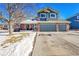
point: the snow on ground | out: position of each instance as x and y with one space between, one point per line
19 48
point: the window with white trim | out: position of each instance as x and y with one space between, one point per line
52 15
42 15
77 17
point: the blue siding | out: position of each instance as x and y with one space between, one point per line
43 19
74 24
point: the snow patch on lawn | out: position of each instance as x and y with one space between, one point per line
21 48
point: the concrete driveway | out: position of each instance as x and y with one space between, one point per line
56 44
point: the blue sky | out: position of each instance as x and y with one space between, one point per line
65 9
3 10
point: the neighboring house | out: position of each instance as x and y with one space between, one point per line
3 26
47 14
74 21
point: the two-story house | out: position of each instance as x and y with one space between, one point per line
47 20
50 16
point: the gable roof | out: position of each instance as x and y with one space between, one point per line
47 10
72 16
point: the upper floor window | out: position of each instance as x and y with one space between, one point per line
52 15
43 15
77 17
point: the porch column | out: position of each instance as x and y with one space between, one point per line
30 26
24 27
67 27
38 26
57 27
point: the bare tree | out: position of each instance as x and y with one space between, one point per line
30 10
11 9
17 13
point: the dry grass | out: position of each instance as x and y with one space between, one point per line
13 39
